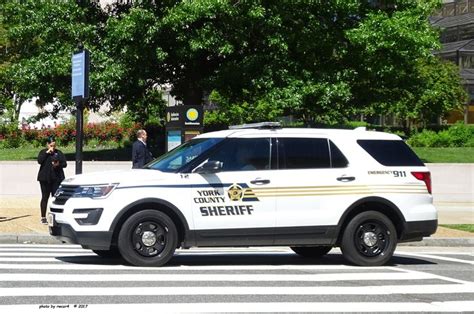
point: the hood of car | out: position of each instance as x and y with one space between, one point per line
123 177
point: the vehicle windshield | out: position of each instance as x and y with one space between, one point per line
183 154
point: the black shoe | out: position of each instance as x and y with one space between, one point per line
44 221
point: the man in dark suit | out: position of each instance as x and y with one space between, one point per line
140 153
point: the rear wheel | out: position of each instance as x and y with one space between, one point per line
311 251
369 239
148 238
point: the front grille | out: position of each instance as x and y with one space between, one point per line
64 193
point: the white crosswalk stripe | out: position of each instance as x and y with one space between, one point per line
64 277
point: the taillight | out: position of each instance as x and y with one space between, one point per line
425 177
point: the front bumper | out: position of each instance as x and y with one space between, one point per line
88 240
416 230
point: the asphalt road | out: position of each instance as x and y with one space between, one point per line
41 278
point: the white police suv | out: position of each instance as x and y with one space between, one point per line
255 185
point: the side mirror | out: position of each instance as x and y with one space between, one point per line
211 166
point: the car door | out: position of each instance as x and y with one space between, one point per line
312 190
225 208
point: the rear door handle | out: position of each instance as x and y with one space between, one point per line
260 181
346 179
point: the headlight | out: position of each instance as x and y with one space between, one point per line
94 191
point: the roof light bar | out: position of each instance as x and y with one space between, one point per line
260 125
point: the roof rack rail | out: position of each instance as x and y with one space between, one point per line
259 125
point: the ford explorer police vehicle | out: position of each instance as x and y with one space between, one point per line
255 185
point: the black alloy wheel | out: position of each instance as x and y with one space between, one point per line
311 251
372 238
148 238
369 239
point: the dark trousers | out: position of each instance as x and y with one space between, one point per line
47 189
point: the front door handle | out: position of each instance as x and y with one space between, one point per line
346 179
259 181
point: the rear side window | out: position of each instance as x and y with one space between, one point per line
338 160
303 153
390 153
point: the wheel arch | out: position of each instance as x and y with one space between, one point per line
374 203
156 204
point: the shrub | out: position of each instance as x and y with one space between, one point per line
426 138
470 143
443 139
460 134
12 136
457 135
65 134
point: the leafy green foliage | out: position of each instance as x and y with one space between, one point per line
320 62
65 134
458 135
41 36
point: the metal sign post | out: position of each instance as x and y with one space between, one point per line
79 93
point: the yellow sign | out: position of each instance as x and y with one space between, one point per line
192 114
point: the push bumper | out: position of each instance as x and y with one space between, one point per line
416 230
88 240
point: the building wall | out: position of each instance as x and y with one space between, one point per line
456 21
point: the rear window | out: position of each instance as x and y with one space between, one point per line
391 153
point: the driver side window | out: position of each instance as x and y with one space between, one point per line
243 154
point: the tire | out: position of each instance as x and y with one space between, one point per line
112 253
369 239
311 251
148 238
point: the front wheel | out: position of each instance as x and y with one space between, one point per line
311 251
148 238
369 239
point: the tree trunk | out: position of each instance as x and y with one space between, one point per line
466 113
17 102
193 97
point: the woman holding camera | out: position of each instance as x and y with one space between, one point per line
50 174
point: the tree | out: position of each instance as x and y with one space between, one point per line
9 106
274 54
41 37
319 61
439 92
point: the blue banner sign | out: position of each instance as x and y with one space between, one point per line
80 75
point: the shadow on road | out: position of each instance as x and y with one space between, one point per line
243 259
5 219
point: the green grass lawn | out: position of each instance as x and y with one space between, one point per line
465 227
445 155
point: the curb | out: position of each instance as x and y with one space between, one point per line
33 238
43 238
442 242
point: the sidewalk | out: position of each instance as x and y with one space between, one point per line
20 223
